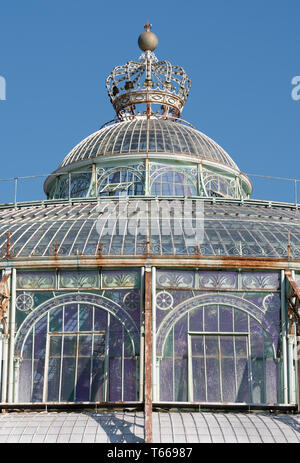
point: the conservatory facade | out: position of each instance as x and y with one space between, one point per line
148 276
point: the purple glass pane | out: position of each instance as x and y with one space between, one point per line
197 346
40 338
242 370
240 321
98 384
258 380
213 379
228 380
53 379
68 378
181 377
271 381
71 317
227 368
128 350
196 320
166 380
38 380
85 318
99 345
199 379
55 322
226 319
115 379
100 323
130 379
39 362
55 346
115 338
180 337
70 346
211 318
83 379
25 376
85 346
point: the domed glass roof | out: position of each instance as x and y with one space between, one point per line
153 135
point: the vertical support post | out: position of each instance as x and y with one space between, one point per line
292 357
12 318
16 380
147 178
5 338
297 360
153 298
148 357
4 368
1 351
142 336
284 337
12 330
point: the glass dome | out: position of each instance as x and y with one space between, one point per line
181 162
142 135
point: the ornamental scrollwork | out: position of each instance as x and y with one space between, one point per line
218 280
24 302
164 300
120 278
75 279
4 302
260 280
132 300
170 278
32 280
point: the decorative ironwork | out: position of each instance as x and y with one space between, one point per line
217 279
132 300
148 81
4 301
175 278
24 302
120 279
79 279
260 280
164 300
35 279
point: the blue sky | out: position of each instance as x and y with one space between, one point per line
241 56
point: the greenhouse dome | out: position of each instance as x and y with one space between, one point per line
149 280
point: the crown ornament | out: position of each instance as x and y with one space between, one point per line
148 82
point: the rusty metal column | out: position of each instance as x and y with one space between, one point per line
12 332
284 337
148 357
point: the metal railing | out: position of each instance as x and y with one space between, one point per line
17 192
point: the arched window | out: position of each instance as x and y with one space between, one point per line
219 353
218 185
78 352
121 181
169 181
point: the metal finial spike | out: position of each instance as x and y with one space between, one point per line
148 26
